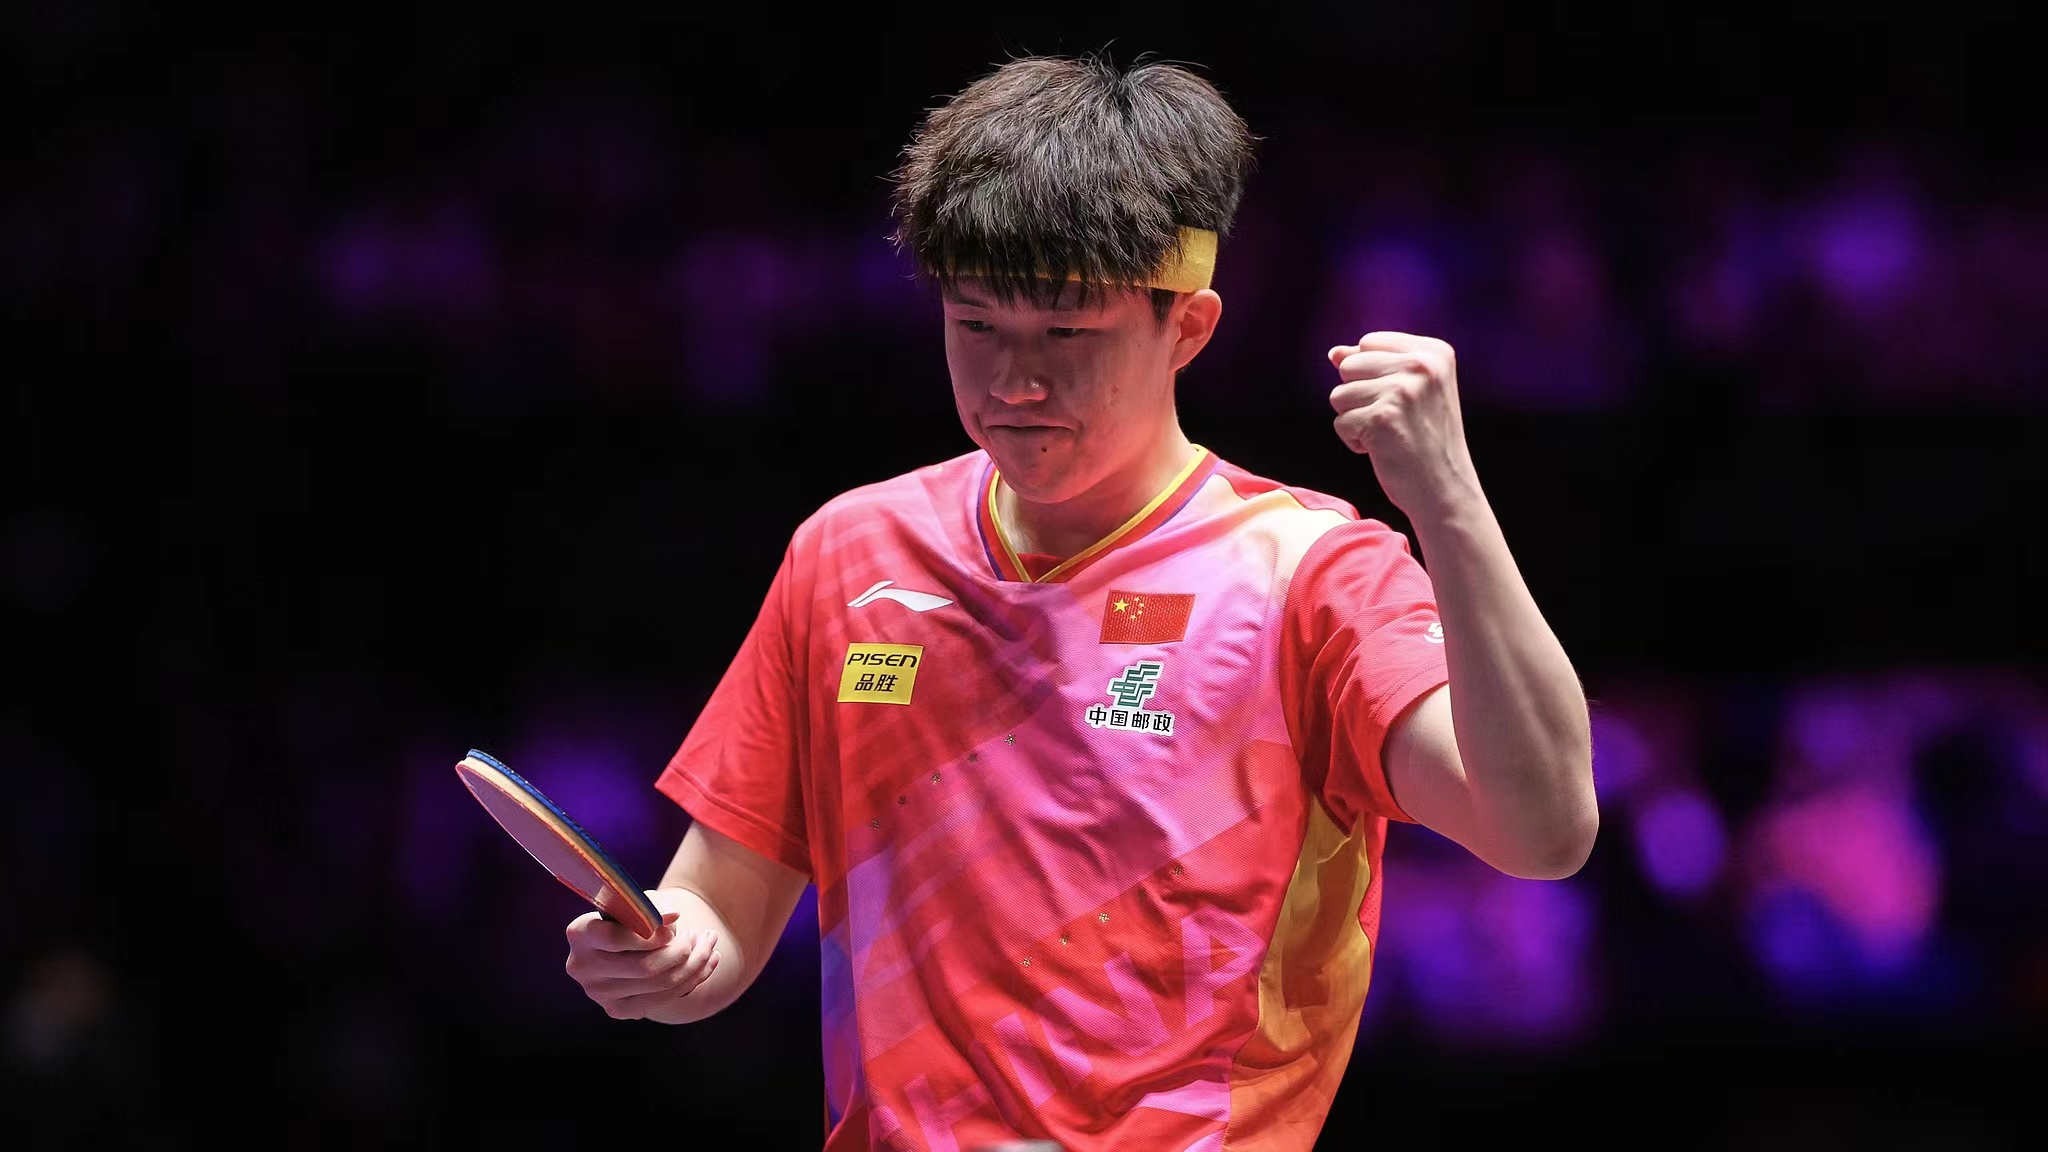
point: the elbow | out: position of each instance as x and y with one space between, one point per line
1557 849
1563 856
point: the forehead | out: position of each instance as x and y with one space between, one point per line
1070 299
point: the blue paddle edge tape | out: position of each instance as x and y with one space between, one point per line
633 890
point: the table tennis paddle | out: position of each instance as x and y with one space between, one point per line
563 848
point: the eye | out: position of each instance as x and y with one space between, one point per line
977 326
1063 333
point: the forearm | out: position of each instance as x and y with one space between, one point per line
1517 705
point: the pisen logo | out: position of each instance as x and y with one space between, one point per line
879 673
1130 690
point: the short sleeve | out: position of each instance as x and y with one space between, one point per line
738 770
1360 644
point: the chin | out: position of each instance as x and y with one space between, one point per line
1039 481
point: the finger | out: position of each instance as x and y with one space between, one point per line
592 931
687 974
693 948
1359 393
1371 365
702 947
1359 428
1396 342
587 964
1338 353
640 1004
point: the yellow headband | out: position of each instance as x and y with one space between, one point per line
1191 272
1197 263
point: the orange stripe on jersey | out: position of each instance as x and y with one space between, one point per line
1157 512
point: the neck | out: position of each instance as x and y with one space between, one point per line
1066 527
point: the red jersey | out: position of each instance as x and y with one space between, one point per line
1096 841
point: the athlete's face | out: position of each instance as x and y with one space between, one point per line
1064 397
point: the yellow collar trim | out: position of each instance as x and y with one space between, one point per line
1003 535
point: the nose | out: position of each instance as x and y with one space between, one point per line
1017 387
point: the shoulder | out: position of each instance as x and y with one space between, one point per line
1282 498
1308 528
921 495
889 522
1322 546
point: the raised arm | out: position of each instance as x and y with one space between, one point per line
1501 759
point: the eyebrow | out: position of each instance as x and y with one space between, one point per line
955 296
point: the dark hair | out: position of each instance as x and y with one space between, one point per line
1056 168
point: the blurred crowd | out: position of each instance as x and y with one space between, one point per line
584 240
1776 847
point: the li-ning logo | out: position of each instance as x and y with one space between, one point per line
1131 688
915 601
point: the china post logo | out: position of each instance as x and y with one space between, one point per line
1130 689
1136 685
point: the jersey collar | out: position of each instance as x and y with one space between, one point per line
1002 556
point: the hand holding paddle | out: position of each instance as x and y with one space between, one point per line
633 978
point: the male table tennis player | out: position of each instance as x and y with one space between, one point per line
1089 738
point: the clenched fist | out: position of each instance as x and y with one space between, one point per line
1398 403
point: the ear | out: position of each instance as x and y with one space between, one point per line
1194 318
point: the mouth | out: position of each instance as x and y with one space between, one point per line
1026 437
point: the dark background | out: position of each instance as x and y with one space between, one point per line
393 381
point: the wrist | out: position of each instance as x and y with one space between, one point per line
1455 509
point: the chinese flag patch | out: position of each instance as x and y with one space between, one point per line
1146 617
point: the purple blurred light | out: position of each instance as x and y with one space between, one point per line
440 828
587 769
1864 859
1680 842
736 293
357 266
1488 960
1393 283
2032 741
1622 760
1797 940
1866 251
1844 733
448 267
887 291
